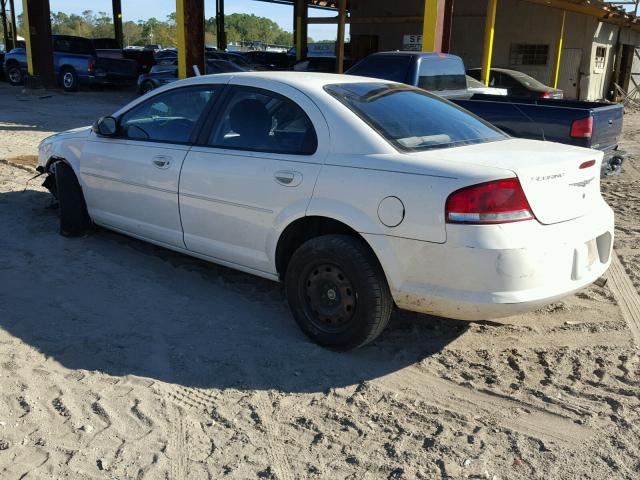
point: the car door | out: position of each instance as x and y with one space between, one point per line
131 181
255 171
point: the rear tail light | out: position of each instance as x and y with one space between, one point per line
587 164
582 128
92 66
500 201
545 95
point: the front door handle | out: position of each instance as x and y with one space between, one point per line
162 161
288 178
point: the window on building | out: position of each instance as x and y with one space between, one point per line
522 54
601 57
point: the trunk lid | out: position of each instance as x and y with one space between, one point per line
556 187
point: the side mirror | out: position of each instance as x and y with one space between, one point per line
106 126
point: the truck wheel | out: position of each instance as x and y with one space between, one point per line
146 87
337 292
74 219
69 79
14 75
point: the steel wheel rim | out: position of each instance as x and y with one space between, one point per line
328 297
14 75
67 80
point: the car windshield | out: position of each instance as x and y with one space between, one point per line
412 119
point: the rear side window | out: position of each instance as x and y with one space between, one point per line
167 117
73 45
264 121
441 73
412 119
388 67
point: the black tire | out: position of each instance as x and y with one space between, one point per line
74 219
14 75
146 87
69 79
337 292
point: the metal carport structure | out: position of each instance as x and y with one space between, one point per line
435 18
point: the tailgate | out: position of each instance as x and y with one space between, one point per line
117 70
607 126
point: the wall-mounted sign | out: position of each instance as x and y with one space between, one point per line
412 43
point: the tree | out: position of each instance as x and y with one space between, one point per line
239 26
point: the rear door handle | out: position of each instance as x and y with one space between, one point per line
288 178
162 161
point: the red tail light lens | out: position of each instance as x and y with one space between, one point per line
500 201
545 95
587 164
582 128
92 65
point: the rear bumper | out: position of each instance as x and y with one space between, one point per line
496 270
612 162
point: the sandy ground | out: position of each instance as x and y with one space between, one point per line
120 360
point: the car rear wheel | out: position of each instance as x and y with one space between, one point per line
74 218
14 75
147 86
69 79
337 292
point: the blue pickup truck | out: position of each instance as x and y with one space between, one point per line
75 63
585 124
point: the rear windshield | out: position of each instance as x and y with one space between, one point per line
441 73
388 67
527 81
412 119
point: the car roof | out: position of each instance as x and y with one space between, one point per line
303 81
500 70
415 54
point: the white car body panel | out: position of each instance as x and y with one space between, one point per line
226 206
124 189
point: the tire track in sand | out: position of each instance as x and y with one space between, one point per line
177 443
626 295
511 413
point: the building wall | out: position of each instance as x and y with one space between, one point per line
517 22
521 22
389 35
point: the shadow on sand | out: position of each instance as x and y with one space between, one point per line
124 307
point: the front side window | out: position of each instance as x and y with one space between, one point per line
412 119
260 120
167 117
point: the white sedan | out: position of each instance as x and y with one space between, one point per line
358 194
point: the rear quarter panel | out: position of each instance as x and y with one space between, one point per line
350 189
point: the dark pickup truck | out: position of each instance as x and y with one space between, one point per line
75 63
110 48
585 124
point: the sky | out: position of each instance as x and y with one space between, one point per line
144 9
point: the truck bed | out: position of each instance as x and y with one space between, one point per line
542 119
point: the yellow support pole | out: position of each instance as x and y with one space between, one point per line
432 26
556 67
489 29
181 40
27 37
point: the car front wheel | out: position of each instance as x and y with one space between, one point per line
74 219
337 292
14 75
